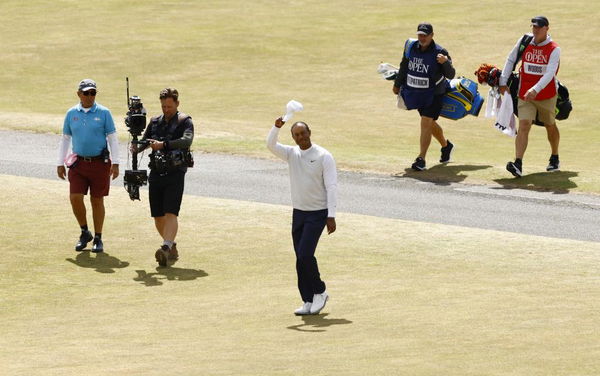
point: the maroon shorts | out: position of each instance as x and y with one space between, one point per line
94 175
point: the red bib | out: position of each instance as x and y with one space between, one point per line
534 65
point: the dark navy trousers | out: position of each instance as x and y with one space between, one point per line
307 227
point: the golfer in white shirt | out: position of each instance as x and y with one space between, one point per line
313 179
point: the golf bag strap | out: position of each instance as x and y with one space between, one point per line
408 45
525 40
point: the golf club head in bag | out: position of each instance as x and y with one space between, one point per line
387 71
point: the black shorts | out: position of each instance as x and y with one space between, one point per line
165 193
434 110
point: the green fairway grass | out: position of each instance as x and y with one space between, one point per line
237 63
407 298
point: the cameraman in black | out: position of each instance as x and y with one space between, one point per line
170 137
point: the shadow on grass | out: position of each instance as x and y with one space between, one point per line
557 182
441 174
317 321
102 263
168 274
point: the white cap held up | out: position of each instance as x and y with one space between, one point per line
292 106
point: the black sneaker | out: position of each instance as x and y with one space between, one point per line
419 164
98 246
162 255
447 152
554 164
84 238
173 253
515 168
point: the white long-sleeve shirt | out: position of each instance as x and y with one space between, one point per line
65 144
313 175
551 69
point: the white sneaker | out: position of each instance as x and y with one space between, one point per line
304 310
318 302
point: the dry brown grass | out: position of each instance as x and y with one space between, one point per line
407 298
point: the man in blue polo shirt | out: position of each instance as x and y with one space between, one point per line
90 128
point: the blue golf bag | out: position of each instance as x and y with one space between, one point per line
461 99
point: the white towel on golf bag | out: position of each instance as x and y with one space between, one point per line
400 103
492 103
505 119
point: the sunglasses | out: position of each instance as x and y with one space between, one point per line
89 92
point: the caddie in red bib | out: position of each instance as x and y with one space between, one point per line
540 59
534 66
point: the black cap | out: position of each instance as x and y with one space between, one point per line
424 28
539 21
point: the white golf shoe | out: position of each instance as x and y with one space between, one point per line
318 303
304 310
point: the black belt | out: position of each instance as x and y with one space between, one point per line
89 159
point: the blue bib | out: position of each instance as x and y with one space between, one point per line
422 68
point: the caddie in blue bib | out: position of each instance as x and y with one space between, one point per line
423 75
